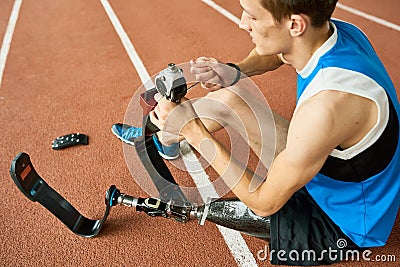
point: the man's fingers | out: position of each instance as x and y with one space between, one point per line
198 63
158 97
214 87
199 69
205 76
153 118
214 81
202 62
202 59
211 86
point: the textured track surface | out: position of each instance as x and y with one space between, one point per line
67 71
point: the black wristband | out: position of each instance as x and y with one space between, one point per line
238 72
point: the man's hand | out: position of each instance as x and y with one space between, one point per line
174 118
212 74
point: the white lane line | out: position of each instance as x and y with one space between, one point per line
130 49
369 17
5 47
222 10
377 20
233 239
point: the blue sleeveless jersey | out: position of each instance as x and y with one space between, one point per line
365 211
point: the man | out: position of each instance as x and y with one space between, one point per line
338 175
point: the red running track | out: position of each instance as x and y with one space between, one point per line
67 71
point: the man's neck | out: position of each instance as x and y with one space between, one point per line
304 46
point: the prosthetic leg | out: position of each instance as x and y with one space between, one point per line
230 213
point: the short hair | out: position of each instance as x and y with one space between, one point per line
319 11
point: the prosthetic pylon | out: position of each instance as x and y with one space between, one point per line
230 213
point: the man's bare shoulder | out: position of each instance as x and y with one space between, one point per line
326 100
322 123
344 116
318 113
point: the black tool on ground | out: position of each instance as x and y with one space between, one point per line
171 203
68 140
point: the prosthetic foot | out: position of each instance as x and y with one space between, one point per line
36 189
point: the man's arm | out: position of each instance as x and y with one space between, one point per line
295 166
319 125
254 64
215 75
311 138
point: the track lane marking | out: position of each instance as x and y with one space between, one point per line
369 17
234 240
354 11
5 47
222 10
130 49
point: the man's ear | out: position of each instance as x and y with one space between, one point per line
298 24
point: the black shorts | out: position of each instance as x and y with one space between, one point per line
302 234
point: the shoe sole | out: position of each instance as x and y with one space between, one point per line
123 140
133 143
168 157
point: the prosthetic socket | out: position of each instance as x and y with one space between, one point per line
230 213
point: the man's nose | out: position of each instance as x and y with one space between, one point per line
244 22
